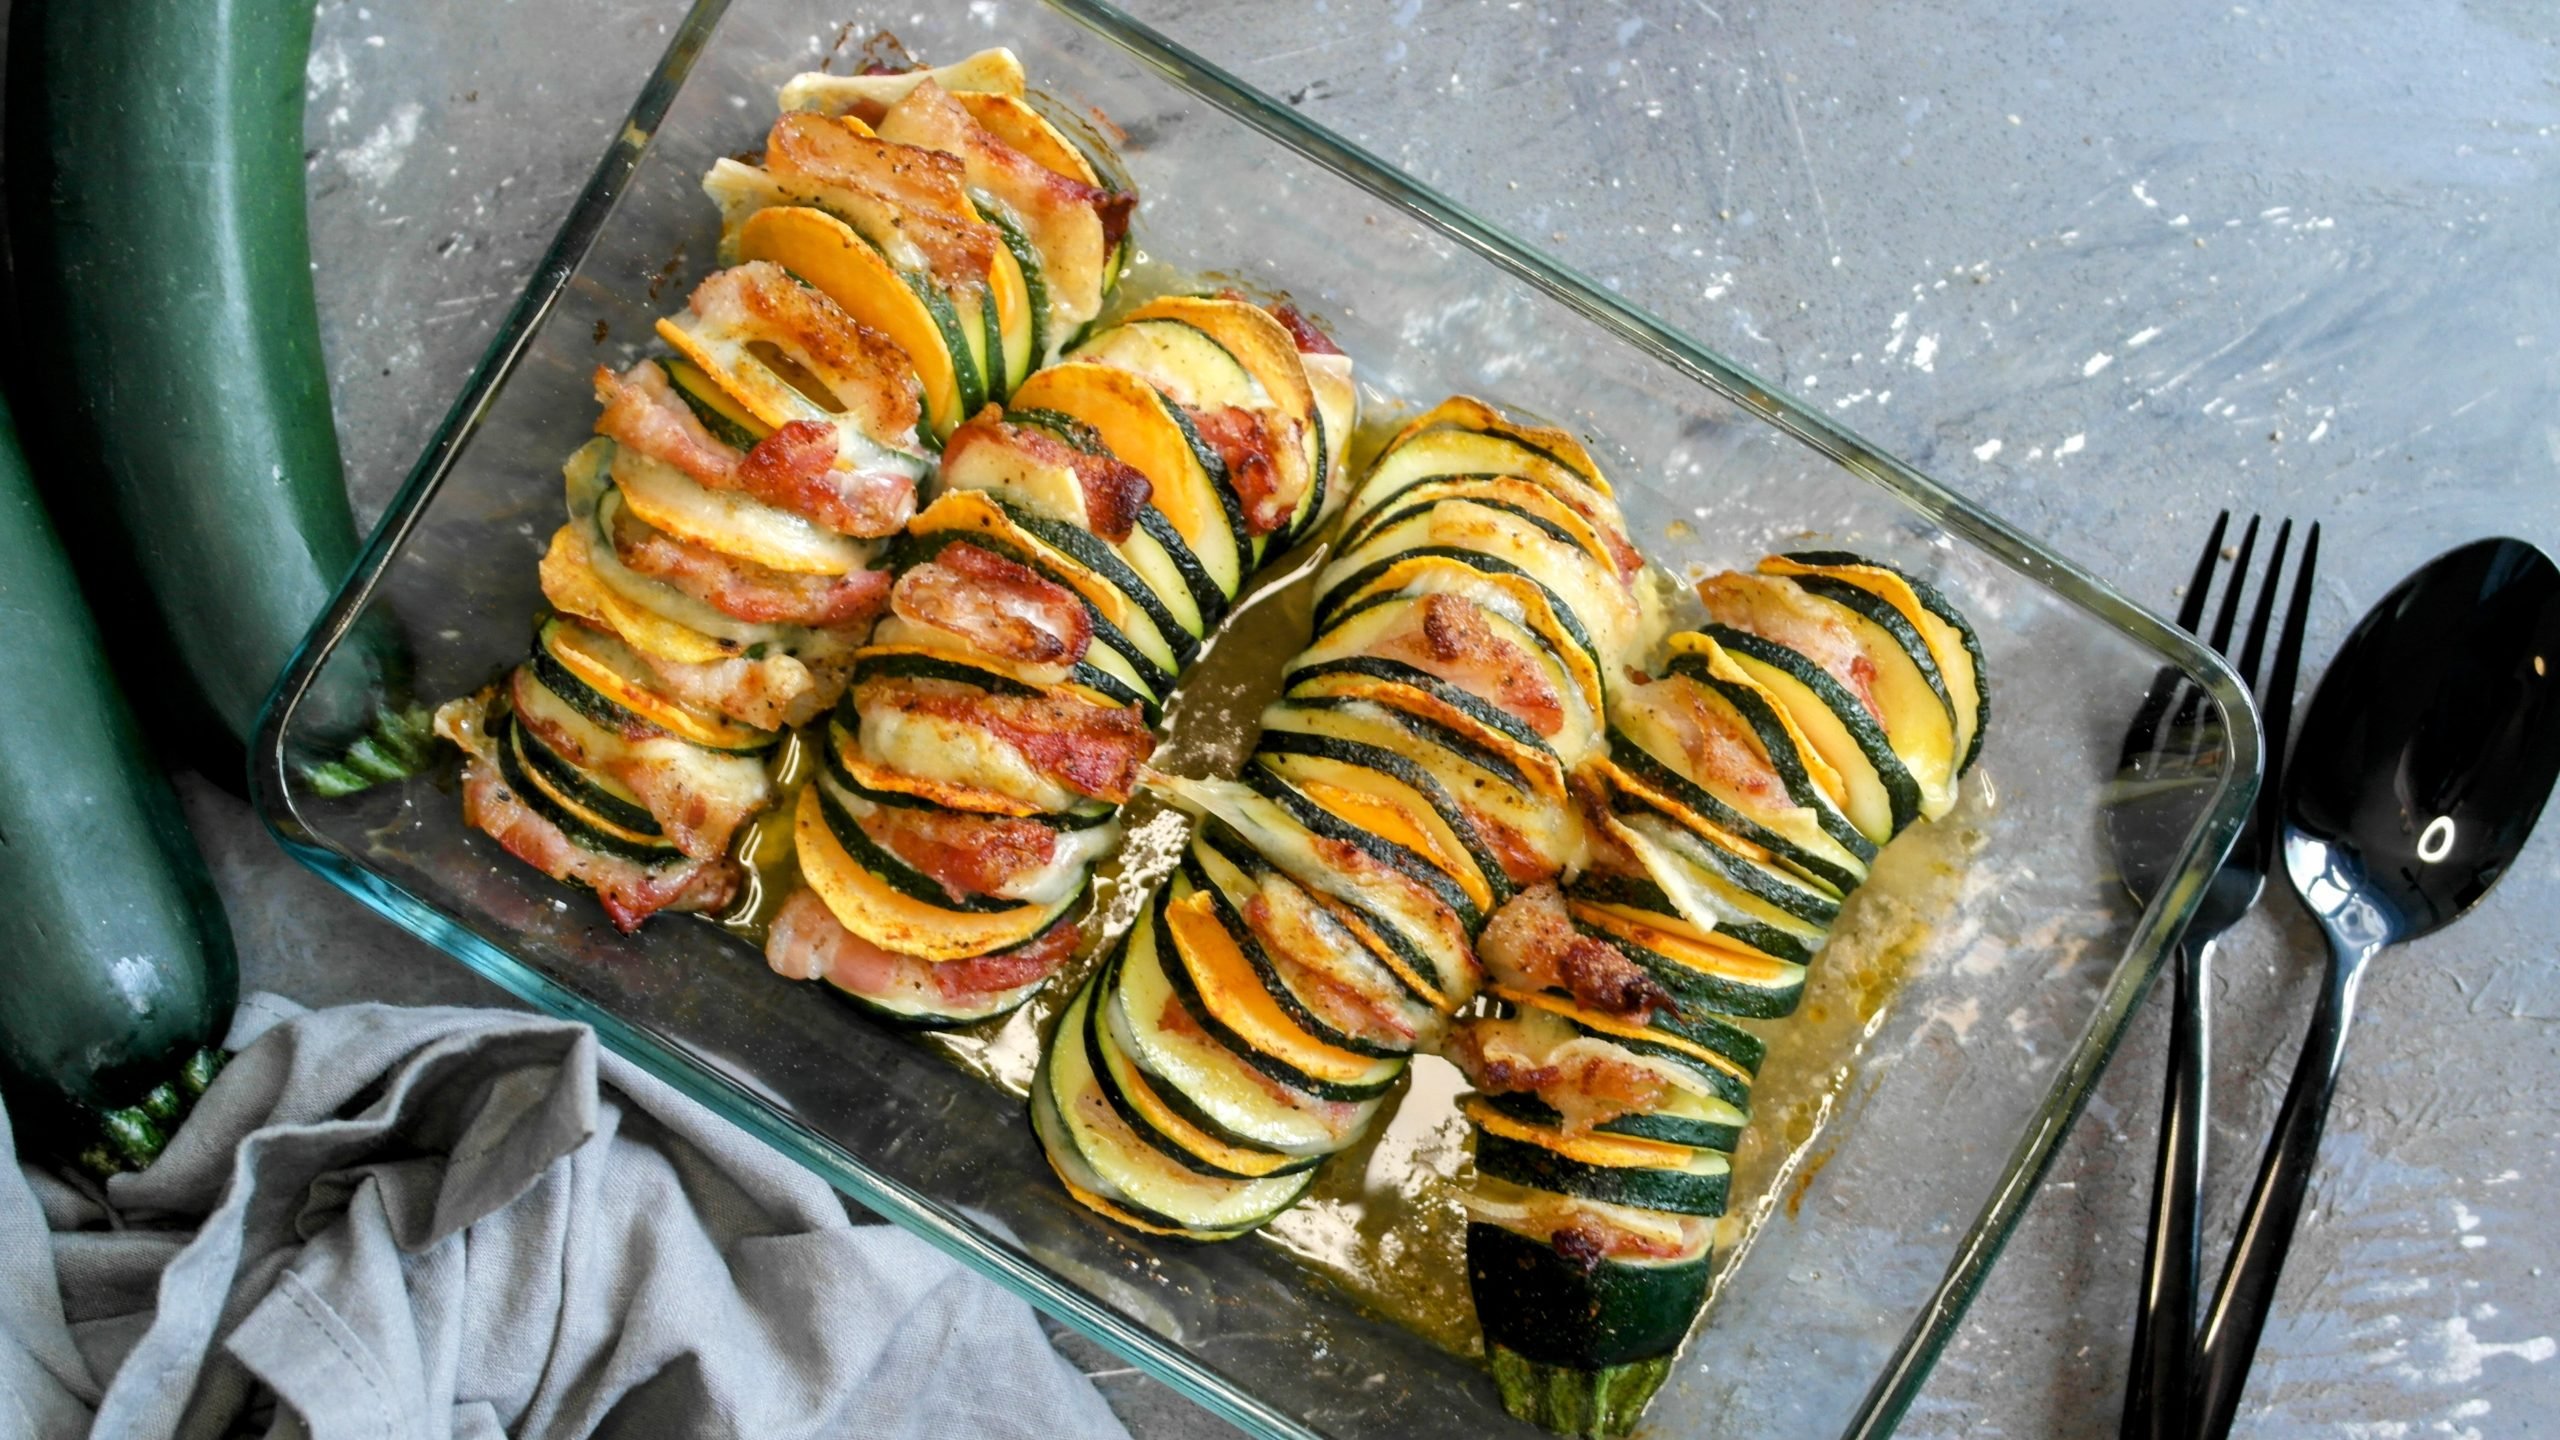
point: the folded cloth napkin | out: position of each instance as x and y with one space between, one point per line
405 1224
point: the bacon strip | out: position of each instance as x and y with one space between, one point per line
999 606
1521 861
794 469
1114 492
1586 1085
745 590
1244 443
1778 609
1721 752
1302 331
807 942
629 891
1451 639
1531 944
929 112
1092 749
967 854
925 187
1306 945
643 412
790 469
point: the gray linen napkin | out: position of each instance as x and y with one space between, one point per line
401 1224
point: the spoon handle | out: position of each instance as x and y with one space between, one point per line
2158 1385
2249 1276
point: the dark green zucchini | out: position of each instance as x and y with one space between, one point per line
1578 1348
1779 662
162 257
1695 1186
1698 1132
1416 678
1935 602
121 973
1757 712
1650 770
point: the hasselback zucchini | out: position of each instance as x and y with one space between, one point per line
891 477
1474 825
901 484
121 976
163 264
1824 707
1410 782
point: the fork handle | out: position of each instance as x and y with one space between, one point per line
2157 1388
2249 1276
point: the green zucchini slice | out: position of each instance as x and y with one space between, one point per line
1809 779
1615 1169
1151 1119
1401 917
1884 797
1342 973
1951 637
1210 974
1712 973
876 910
1101 1159
1538 1304
1202 1079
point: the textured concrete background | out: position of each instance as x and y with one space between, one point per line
2104 267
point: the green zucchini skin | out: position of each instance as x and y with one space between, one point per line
163 260
121 969
1585 1317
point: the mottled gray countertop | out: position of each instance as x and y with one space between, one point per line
2104 267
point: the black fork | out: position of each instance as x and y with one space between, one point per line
2171 756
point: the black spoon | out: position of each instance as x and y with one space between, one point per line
2420 769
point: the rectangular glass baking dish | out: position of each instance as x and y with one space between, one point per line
1871 1239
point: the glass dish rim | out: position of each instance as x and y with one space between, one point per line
1935 1323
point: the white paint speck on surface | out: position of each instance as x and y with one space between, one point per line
383 152
2465 1356
2096 363
2071 446
1958 1017
2142 337
1987 449
1924 353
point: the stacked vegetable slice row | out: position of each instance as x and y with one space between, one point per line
1089 536
1498 815
1412 779
910 249
1827 703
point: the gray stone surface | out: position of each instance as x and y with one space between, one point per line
2103 267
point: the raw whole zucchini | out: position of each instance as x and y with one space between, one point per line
120 970
163 263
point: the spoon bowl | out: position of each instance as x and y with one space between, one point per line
2422 764
2432 741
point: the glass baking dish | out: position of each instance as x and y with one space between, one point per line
1866 1237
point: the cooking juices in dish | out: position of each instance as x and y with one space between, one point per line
897 486
1498 815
